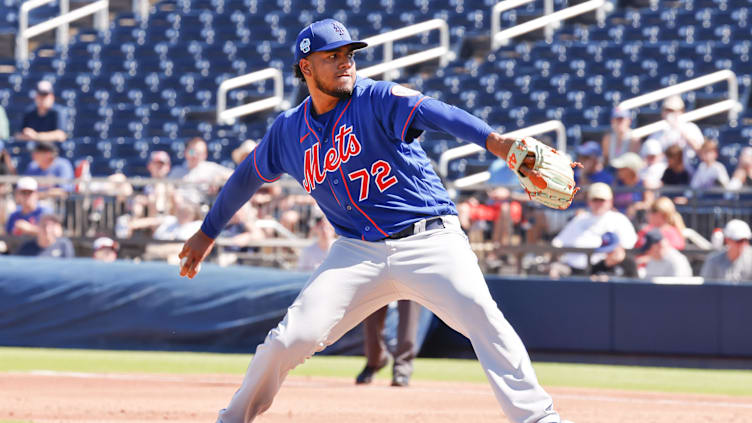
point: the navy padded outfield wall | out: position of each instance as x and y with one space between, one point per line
82 303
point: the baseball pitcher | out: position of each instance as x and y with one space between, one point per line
350 144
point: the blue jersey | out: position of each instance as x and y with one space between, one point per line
357 161
366 179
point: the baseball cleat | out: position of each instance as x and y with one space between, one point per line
401 380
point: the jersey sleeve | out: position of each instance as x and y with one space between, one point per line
262 165
395 106
435 115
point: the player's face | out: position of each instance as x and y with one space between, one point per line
333 72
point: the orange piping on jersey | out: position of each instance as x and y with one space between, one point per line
335 195
356 206
410 116
305 136
259 173
340 117
305 116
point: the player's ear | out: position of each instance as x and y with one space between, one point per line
305 67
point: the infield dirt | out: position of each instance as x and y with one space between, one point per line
72 397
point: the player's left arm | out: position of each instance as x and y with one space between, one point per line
545 173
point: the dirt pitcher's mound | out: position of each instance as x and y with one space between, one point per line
73 397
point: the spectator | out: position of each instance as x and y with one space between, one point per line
655 164
239 154
105 249
6 168
25 220
742 176
197 169
618 142
49 242
589 154
616 263
172 228
676 172
241 229
661 258
6 162
628 167
313 255
586 229
156 196
45 120
710 173
663 216
684 134
45 162
734 263
4 125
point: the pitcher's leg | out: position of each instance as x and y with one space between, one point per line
407 331
441 271
373 339
343 291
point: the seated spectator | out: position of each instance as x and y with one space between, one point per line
105 249
6 168
663 216
655 164
197 168
628 167
178 227
45 121
49 242
661 259
241 229
589 154
618 142
710 173
686 135
742 176
313 255
616 263
239 154
676 172
25 220
155 198
586 229
4 125
45 162
734 263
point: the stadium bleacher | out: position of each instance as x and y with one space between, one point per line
145 85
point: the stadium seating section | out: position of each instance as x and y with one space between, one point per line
150 85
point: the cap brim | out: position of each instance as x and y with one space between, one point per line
335 45
607 249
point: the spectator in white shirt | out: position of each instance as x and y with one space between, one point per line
209 176
586 229
710 173
686 135
655 164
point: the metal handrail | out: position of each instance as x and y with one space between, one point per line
501 38
100 10
390 64
732 105
468 149
141 9
503 6
228 116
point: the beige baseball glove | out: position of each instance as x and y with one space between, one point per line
550 180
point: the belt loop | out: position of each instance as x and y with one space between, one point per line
420 226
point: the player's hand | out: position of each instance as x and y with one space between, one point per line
195 250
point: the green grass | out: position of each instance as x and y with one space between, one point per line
727 382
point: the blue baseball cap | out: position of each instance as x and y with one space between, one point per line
590 148
324 35
609 242
2 145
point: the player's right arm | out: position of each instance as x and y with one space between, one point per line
256 169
